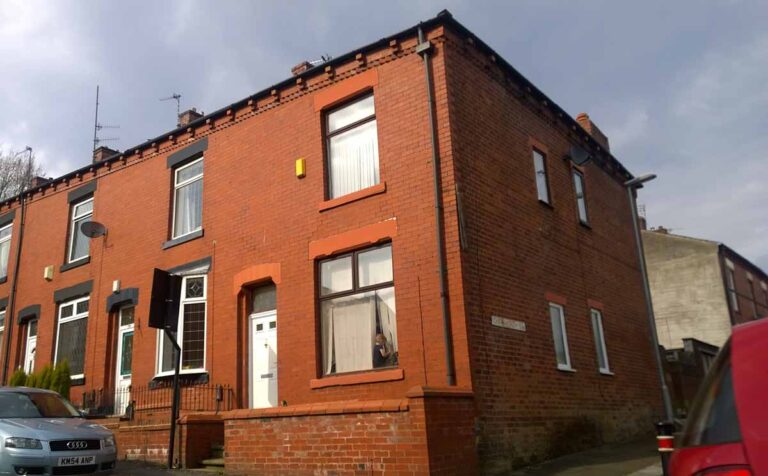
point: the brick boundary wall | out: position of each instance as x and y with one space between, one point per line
429 432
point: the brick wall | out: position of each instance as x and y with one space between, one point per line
518 251
417 435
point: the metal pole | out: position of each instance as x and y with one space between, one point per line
649 305
175 403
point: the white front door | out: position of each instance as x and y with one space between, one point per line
31 346
263 351
124 360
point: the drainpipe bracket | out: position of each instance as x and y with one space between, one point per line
423 47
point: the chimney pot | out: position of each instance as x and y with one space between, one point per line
102 153
300 68
586 123
189 116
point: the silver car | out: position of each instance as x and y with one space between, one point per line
41 433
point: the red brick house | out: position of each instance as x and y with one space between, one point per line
359 320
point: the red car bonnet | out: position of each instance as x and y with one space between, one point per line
749 360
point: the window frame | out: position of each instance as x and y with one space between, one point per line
575 172
73 229
752 295
177 186
74 317
545 172
328 135
730 281
3 240
568 366
180 331
596 316
764 287
351 292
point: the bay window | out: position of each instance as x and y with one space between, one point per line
357 311
70 335
190 332
352 147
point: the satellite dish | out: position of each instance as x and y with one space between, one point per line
579 156
93 229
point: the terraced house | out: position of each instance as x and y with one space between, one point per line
397 260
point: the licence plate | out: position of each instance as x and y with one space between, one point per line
76 460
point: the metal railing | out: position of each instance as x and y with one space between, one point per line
127 401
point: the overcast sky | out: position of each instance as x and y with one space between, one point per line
680 87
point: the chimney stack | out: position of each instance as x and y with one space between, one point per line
586 123
102 153
189 116
300 68
37 181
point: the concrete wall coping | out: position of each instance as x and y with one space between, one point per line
442 392
326 408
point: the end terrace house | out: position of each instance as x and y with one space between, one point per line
391 263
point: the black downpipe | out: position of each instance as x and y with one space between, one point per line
12 297
423 48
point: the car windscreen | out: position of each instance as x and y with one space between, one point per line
713 419
35 405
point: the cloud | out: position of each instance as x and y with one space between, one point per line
631 129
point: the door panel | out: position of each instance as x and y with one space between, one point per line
263 360
124 361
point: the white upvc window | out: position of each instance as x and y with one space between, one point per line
764 287
188 199
5 249
730 276
352 147
540 169
191 331
70 335
599 334
752 295
79 244
560 336
581 196
2 328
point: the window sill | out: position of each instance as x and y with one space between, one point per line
546 204
606 372
374 376
74 264
585 224
183 239
566 369
4 280
77 382
353 197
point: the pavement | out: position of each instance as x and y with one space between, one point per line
639 458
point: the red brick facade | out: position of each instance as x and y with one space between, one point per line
504 252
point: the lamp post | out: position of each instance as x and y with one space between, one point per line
666 428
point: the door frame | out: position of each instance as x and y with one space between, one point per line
252 318
26 345
121 331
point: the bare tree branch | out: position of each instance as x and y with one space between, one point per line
18 169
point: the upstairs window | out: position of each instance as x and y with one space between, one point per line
5 249
357 311
70 335
730 277
2 328
752 295
79 244
540 169
765 292
581 196
191 331
560 336
188 199
597 330
352 147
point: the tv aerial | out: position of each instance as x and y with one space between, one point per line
177 98
97 126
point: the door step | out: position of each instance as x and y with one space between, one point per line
214 463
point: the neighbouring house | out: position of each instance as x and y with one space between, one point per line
391 262
700 290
